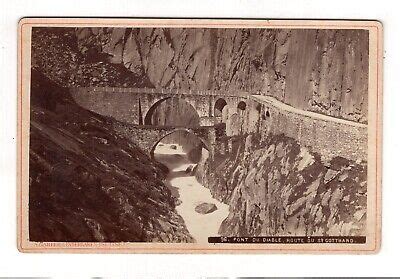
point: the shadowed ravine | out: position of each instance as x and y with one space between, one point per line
190 193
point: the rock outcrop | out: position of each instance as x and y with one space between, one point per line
87 183
55 52
280 188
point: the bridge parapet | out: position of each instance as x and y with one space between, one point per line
163 91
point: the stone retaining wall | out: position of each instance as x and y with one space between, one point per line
328 136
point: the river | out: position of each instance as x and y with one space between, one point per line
191 193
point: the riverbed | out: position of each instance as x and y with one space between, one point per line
191 193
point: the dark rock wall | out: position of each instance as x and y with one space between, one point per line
86 183
319 70
280 188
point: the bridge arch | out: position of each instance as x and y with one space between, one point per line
205 143
266 115
219 106
190 116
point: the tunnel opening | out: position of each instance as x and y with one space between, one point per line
266 115
174 112
241 105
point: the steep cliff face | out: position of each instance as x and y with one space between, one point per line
280 188
86 183
327 71
319 70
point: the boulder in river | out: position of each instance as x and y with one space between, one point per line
205 208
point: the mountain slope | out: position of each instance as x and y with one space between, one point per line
87 183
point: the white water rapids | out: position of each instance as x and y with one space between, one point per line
191 193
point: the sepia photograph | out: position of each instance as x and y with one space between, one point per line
196 136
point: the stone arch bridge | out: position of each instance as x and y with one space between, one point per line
326 135
134 105
147 137
132 109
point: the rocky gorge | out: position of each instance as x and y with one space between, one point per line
89 183
277 187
